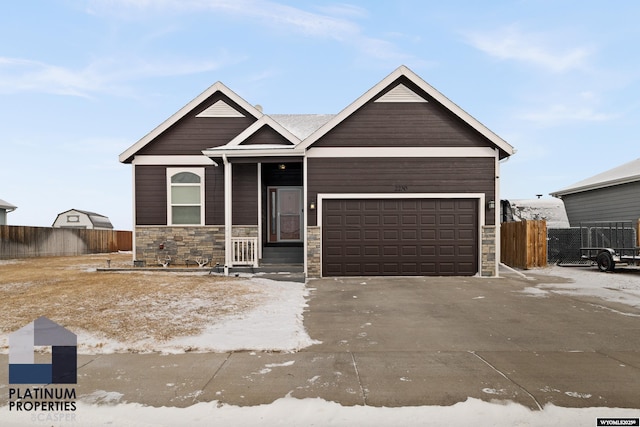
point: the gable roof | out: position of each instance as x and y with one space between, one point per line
128 154
302 125
624 174
7 206
292 127
505 148
96 219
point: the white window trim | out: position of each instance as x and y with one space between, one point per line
174 171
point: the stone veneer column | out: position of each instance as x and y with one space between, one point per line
314 268
489 262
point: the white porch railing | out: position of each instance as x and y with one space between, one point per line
244 251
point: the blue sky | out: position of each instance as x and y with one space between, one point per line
81 81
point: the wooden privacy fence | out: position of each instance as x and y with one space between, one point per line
523 244
26 242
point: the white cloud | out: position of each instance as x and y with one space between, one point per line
334 22
100 76
558 113
543 50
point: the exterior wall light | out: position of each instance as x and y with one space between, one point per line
491 204
312 206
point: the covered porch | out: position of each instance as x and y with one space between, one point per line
264 224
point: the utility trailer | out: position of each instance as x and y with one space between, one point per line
609 243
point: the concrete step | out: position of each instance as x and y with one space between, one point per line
282 255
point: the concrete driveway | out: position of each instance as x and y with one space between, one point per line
437 341
404 342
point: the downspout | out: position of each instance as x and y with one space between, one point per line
227 214
305 214
497 207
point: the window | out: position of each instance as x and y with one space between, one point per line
185 196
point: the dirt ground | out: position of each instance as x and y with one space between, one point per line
116 306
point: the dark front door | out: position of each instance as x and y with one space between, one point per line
421 237
285 214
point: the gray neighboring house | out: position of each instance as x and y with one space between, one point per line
613 195
76 218
5 208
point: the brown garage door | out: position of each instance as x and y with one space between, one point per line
378 237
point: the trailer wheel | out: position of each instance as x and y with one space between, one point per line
605 262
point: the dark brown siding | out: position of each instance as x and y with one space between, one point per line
403 124
245 194
266 135
214 194
401 175
190 135
151 195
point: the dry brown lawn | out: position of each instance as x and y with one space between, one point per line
119 306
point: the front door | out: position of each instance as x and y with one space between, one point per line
285 214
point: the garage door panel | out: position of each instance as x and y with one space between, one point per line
391 268
371 269
409 235
390 220
390 234
372 235
446 250
372 220
409 219
390 251
447 234
371 251
333 235
399 237
353 235
409 251
447 220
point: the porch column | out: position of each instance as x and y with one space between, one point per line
228 218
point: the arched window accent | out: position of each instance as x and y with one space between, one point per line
185 196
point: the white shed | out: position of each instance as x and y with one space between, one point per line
76 218
5 208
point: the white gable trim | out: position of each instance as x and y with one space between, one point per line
256 126
396 152
216 87
401 93
399 72
173 160
220 109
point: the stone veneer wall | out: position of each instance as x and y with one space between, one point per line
489 266
313 252
181 243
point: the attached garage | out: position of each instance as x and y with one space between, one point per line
400 237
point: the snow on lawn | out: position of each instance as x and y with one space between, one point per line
621 286
289 411
275 324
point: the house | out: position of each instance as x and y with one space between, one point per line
550 210
608 196
76 218
5 208
400 182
